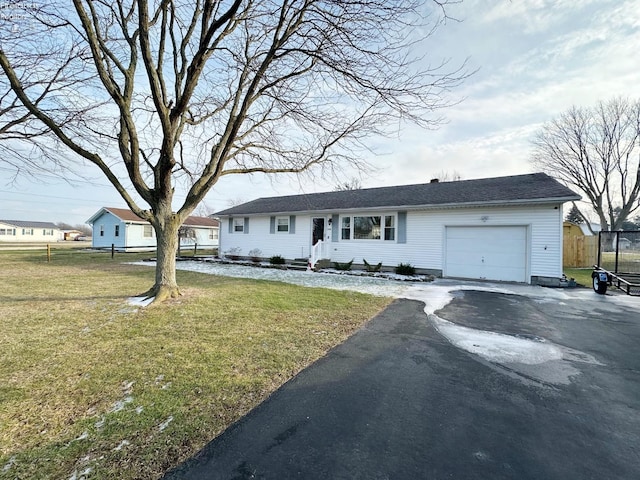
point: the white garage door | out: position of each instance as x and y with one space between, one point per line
492 253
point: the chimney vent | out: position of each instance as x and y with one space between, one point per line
434 180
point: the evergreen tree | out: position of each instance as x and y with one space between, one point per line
574 215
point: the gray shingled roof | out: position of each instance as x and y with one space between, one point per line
26 224
518 189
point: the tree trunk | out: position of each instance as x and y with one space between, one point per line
166 285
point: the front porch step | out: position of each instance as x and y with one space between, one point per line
298 264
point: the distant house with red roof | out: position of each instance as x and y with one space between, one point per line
124 230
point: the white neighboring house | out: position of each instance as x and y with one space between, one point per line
24 231
124 230
507 228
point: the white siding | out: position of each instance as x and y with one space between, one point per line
135 236
13 233
288 245
425 237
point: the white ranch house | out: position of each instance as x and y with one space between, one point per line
505 229
124 230
26 231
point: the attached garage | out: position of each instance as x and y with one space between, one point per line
487 253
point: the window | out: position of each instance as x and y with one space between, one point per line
389 227
374 227
366 228
213 234
148 231
102 230
27 231
282 224
47 232
346 228
117 231
238 225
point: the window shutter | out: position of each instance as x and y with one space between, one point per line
272 225
292 224
246 224
230 224
402 227
335 228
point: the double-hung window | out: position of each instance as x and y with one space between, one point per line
117 230
282 224
238 225
389 227
346 228
147 231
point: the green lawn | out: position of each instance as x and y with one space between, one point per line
92 386
581 275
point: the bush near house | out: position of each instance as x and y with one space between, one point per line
343 266
405 269
371 268
277 260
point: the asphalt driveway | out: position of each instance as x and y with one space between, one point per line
493 386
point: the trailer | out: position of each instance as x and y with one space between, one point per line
629 283
618 262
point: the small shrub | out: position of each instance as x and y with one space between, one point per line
372 268
276 260
405 269
343 266
255 255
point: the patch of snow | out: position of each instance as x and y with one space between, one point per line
83 436
121 445
120 404
139 410
166 423
82 475
9 464
100 423
140 301
498 347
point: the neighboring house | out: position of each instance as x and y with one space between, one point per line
125 230
507 228
23 231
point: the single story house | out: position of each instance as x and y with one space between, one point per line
506 228
123 229
25 231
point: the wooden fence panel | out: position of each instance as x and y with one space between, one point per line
580 251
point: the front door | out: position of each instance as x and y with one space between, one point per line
318 230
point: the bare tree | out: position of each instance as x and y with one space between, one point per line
353 184
597 151
187 91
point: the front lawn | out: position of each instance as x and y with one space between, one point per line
92 387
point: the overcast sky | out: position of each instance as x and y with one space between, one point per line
535 59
